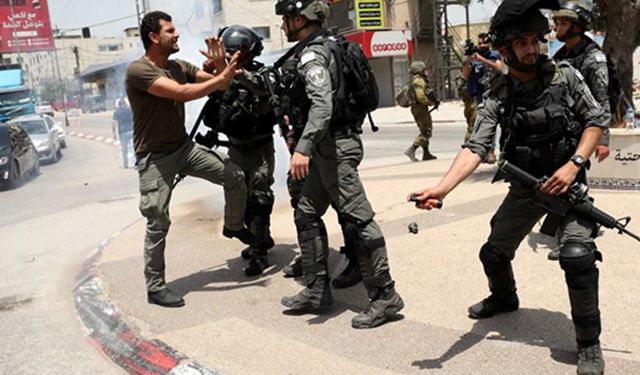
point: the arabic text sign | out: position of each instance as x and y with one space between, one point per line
621 170
369 14
25 26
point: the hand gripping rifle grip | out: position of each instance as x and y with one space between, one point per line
520 175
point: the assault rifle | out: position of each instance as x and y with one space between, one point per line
271 78
575 200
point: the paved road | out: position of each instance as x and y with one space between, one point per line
47 227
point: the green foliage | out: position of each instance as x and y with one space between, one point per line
51 90
599 17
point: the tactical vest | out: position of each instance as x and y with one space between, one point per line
294 97
242 111
539 134
295 93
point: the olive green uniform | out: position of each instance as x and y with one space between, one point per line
592 64
469 106
333 179
420 111
164 150
519 212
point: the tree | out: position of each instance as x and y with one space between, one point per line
620 19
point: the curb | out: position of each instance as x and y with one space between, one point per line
106 140
106 329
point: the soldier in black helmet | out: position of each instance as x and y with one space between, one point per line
334 143
551 124
571 22
243 113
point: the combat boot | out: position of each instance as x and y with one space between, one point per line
316 296
590 361
263 244
427 155
411 153
257 264
381 309
493 305
294 269
350 276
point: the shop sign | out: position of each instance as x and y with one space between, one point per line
389 43
369 14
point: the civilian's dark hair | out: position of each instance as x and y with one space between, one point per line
151 24
483 37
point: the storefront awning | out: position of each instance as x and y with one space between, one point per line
382 43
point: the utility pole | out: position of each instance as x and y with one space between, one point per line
64 88
142 8
15 33
75 51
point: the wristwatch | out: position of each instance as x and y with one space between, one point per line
579 160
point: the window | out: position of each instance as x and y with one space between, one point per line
217 6
109 48
263 32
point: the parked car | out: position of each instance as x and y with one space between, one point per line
18 156
62 135
46 108
44 137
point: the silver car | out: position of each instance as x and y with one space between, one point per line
62 135
44 136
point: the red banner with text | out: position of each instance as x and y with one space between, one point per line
25 26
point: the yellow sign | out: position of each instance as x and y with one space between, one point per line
369 14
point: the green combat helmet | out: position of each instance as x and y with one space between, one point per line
313 10
579 11
417 67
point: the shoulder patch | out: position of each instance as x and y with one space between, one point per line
317 76
309 56
600 57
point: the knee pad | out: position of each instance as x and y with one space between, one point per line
578 261
492 258
233 176
261 203
308 227
295 190
576 257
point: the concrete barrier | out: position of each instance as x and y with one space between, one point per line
621 170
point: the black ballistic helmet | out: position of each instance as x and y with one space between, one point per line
313 10
579 11
241 38
516 17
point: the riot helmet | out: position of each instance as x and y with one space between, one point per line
417 67
237 38
512 19
312 10
578 11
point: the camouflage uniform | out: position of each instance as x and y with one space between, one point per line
589 59
469 106
336 151
518 213
420 111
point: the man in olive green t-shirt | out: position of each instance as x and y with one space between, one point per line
157 89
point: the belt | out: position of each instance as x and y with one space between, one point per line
252 144
341 132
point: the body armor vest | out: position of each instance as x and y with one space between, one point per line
540 133
294 92
243 110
